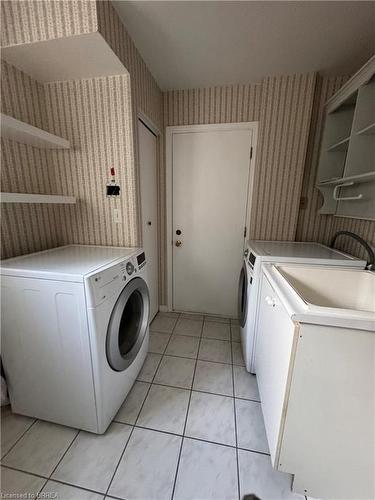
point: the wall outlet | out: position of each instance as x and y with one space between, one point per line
117 216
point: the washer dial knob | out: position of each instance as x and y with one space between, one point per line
129 268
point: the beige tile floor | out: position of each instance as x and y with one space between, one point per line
191 428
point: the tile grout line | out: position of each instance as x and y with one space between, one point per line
65 452
166 345
156 430
199 359
119 460
195 438
194 390
177 336
137 427
187 414
200 390
42 488
72 485
161 333
49 478
19 439
134 425
235 423
182 438
46 479
11 448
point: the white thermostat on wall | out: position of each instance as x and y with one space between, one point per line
113 189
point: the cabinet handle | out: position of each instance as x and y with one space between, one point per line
344 198
270 301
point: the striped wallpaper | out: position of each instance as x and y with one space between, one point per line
227 104
288 151
146 97
95 116
25 229
312 226
26 21
99 116
364 228
283 107
284 127
145 91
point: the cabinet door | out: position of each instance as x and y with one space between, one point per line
274 351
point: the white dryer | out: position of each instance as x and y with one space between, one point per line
259 252
74 332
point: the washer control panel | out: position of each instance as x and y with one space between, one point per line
130 268
109 281
141 260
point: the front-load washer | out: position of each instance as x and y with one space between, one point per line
74 332
257 253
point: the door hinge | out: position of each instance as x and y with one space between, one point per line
245 232
251 153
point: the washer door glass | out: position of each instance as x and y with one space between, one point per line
128 324
242 296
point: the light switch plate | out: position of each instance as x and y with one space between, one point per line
117 216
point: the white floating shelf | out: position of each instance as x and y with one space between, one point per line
36 198
369 130
339 146
18 131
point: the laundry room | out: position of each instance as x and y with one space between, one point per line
187 250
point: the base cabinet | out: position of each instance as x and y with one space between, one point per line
317 388
274 351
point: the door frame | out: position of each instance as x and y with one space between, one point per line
183 129
141 116
149 123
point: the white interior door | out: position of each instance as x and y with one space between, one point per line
148 174
210 170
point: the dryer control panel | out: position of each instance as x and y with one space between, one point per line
110 281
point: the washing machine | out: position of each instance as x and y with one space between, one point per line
74 332
257 253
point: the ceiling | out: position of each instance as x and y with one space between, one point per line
193 44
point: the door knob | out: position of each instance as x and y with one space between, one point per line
178 243
270 301
149 223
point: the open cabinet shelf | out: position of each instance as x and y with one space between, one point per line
36 198
368 130
346 171
22 132
340 146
